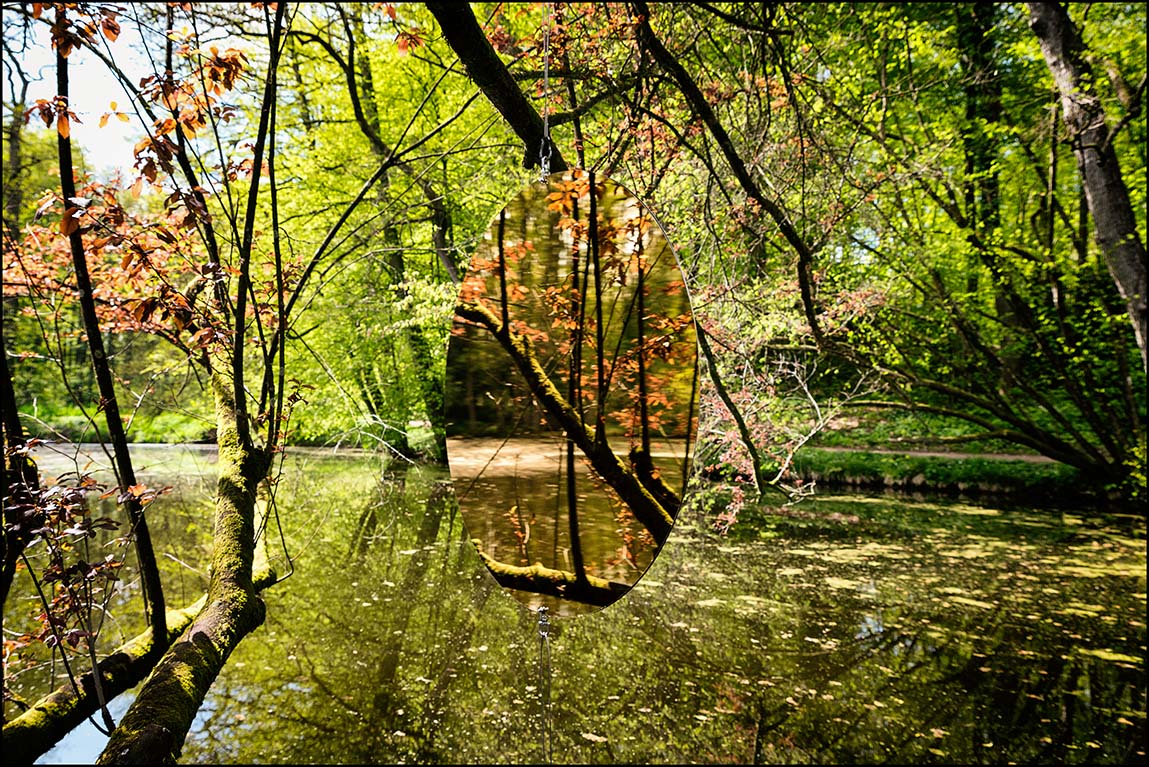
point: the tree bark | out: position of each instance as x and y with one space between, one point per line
13 185
1115 225
149 569
21 483
557 583
154 728
463 33
35 731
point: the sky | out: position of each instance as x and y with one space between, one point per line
93 89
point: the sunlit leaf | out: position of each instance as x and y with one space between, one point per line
68 222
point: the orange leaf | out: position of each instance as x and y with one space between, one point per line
104 119
62 126
110 27
68 222
201 338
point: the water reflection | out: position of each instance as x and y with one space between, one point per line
573 328
905 632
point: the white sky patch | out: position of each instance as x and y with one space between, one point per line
92 88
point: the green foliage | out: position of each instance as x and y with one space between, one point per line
37 172
918 151
909 430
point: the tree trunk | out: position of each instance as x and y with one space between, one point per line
557 583
13 184
35 731
154 728
125 472
21 483
492 77
1115 225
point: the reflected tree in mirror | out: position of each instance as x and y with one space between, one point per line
571 387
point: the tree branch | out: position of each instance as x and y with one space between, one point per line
154 728
556 583
653 515
702 108
462 31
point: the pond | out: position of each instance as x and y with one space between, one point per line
845 629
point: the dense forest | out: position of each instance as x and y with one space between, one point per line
888 227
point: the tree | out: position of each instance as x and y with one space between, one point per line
862 196
878 202
1092 138
235 301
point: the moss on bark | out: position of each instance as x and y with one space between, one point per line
30 735
154 728
558 583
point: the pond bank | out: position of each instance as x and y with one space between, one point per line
955 474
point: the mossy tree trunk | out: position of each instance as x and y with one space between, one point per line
30 735
588 589
154 728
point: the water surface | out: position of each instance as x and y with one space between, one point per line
848 629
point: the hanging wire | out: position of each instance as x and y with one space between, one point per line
545 144
544 684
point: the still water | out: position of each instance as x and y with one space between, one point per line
847 629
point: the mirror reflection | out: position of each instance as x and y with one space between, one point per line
571 390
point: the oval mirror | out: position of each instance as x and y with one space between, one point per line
571 393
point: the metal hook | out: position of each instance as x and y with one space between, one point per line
545 143
544 622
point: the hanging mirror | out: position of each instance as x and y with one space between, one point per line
571 393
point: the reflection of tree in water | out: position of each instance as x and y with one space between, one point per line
698 669
574 320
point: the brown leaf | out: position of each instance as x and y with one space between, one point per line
68 222
62 125
201 338
110 27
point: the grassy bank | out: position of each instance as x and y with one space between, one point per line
965 475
